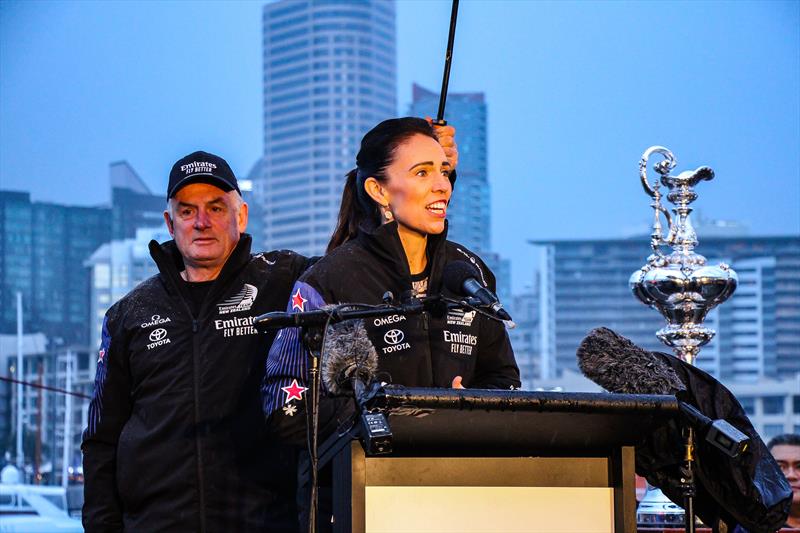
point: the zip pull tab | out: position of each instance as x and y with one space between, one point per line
425 321
195 326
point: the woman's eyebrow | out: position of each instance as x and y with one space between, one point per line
429 163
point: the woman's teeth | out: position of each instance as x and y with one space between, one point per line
437 207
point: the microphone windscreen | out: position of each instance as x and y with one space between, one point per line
618 365
456 273
348 354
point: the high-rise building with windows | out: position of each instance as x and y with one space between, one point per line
583 284
43 247
524 309
469 212
329 77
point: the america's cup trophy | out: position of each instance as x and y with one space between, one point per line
680 284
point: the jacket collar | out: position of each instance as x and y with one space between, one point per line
169 261
384 242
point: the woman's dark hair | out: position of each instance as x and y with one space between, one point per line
376 153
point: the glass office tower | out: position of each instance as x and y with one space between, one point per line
329 77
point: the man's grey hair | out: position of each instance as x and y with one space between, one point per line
237 203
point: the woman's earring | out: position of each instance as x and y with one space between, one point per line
388 215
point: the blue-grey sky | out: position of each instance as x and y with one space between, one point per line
576 91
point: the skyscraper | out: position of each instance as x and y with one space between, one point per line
329 76
468 215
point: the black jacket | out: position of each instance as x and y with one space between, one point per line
749 490
176 439
417 351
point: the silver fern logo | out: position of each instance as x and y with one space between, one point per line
243 301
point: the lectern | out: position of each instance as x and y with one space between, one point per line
480 460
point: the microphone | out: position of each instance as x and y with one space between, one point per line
350 361
461 278
618 365
349 365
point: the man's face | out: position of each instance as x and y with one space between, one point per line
788 458
206 223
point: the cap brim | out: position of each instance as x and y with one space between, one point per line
210 179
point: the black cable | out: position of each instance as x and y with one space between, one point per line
45 387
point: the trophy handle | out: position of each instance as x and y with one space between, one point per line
662 167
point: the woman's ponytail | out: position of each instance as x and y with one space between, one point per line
350 213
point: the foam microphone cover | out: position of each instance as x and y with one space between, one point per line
348 354
618 365
456 273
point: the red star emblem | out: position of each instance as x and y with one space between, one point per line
298 302
101 354
294 391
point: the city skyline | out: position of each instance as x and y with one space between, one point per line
575 92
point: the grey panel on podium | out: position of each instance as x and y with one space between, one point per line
480 460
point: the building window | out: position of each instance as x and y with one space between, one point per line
772 430
773 405
102 276
796 402
749 405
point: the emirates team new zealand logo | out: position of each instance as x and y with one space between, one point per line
243 301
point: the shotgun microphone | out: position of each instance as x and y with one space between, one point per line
618 365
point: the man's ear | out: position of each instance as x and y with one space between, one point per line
170 226
243 217
376 191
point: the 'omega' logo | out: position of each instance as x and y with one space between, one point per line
393 336
158 334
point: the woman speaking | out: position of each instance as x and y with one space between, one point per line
391 236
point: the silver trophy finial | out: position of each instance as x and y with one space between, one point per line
680 285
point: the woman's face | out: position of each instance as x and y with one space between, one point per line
418 186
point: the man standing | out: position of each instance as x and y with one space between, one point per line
786 451
176 440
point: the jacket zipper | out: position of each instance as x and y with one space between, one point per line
201 489
198 447
170 274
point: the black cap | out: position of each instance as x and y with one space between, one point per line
201 167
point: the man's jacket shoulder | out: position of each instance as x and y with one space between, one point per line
280 260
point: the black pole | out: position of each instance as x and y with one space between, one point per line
313 338
448 59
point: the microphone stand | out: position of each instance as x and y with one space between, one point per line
313 338
687 479
314 325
